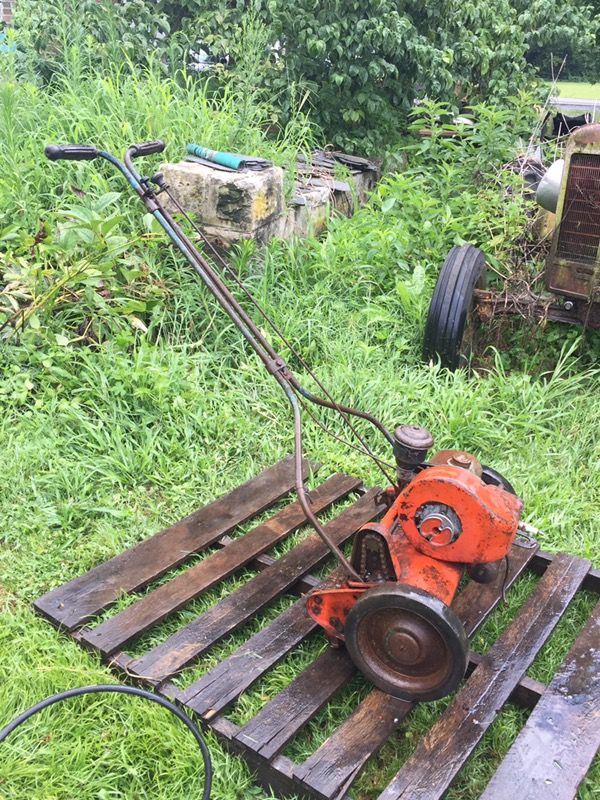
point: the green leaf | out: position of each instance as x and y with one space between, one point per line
108 199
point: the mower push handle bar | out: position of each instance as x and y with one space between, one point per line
71 152
223 295
146 149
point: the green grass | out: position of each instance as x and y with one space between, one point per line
115 445
580 91
101 446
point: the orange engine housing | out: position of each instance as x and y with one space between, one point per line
444 520
487 515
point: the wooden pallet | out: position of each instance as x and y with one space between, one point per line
549 758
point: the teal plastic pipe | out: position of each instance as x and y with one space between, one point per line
225 159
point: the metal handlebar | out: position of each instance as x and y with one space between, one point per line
251 332
146 148
71 152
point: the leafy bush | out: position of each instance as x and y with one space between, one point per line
569 53
366 60
363 62
128 30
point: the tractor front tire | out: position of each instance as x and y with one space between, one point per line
449 324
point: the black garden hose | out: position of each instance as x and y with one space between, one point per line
117 689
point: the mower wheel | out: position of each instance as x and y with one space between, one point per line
494 478
450 325
407 642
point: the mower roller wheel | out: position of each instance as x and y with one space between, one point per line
492 477
407 642
450 326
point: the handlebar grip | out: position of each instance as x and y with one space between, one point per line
147 148
71 152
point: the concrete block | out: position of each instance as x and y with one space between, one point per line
230 206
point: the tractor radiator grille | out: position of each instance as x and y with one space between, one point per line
579 236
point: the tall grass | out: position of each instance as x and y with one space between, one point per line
113 110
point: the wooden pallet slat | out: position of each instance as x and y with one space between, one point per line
552 754
139 617
225 682
75 602
462 725
334 766
187 644
276 724
542 559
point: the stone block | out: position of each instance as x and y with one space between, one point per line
230 206
234 205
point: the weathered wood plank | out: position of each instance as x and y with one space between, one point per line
227 680
553 752
211 693
542 559
75 602
275 775
198 636
335 765
526 693
279 721
139 617
332 769
444 750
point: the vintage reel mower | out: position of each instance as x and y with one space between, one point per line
570 193
391 602
445 517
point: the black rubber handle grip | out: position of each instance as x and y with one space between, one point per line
71 152
147 148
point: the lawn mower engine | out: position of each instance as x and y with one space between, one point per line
445 518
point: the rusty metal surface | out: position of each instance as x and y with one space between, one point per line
380 715
579 234
532 306
407 642
586 135
574 258
458 458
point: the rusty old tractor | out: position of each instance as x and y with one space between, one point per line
570 193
